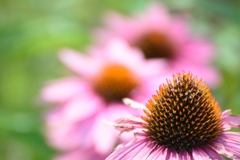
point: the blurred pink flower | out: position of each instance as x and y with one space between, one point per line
158 35
103 78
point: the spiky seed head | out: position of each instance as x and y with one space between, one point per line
183 114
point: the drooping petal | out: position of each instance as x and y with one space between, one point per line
226 113
229 142
234 121
233 147
219 147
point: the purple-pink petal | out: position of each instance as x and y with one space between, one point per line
106 137
157 152
234 121
219 147
231 141
66 136
80 63
199 154
131 150
212 153
203 49
82 106
172 154
61 90
184 155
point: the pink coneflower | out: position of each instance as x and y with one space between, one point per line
158 35
106 76
182 121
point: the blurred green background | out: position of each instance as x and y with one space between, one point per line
32 32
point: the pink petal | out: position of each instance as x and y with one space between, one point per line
234 121
128 152
63 138
156 17
234 136
105 137
226 113
151 68
80 63
82 106
118 51
115 24
146 151
184 155
212 153
231 141
228 144
148 88
199 154
158 152
67 136
198 51
71 156
172 154
63 89
219 147
54 118
178 31
209 74
162 154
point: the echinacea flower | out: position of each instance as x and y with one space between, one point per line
182 122
105 76
159 35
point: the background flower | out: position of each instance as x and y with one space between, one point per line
105 76
159 35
